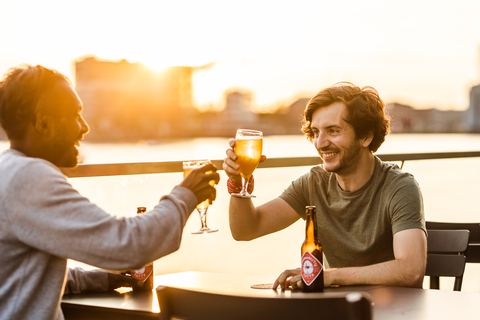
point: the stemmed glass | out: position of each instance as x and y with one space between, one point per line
202 207
248 148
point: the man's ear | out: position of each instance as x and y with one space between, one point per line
367 139
44 124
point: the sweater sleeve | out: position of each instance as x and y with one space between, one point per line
53 217
82 281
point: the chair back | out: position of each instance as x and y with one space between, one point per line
445 256
473 250
190 304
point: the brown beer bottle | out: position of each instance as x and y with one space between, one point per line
312 255
145 273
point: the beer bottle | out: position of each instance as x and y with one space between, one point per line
146 273
312 255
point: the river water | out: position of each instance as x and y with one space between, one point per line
449 187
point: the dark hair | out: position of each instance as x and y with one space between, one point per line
364 106
21 89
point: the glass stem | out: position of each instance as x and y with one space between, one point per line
244 186
203 217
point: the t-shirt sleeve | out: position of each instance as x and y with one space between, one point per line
406 206
296 194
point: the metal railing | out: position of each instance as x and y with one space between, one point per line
114 169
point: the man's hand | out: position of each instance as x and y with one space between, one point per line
289 278
293 278
198 181
229 163
117 280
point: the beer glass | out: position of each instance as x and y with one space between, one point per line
248 148
202 207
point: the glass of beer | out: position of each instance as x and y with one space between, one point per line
202 207
248 148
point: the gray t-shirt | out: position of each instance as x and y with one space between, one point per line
357 228
44 221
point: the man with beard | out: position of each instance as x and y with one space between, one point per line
44 221
369 213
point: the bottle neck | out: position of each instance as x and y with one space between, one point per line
311 228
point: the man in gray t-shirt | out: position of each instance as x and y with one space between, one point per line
369 213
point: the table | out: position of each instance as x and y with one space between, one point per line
390 303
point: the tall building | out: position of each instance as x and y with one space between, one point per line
125 101
473 112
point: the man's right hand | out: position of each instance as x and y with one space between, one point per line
290 278
198 181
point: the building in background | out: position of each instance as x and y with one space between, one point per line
125 101
472 115
237 113
405 119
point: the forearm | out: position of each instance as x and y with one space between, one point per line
243 218
248 222
392 273
81 281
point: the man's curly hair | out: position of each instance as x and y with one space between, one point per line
364 106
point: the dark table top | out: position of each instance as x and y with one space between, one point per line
389 302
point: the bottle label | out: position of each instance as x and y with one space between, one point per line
311 268
143 273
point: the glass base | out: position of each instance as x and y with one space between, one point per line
243 195
204 230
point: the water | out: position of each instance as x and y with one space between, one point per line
450 191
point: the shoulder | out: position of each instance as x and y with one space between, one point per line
393 175
318 172
315 177
15 166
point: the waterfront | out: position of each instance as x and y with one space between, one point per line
449 188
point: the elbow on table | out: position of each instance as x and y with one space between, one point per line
413 280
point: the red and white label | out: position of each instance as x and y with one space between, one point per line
143 273
311 268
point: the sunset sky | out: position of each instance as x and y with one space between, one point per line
417 52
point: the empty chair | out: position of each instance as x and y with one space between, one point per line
473 250
189 304
445 256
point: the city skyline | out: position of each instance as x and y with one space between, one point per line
127 101
419 53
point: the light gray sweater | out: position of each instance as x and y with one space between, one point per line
44 221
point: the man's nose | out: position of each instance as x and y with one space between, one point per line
321 141
85 127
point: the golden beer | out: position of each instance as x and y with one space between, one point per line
248 152
248 148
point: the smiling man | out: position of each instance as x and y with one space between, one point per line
44 221
369 213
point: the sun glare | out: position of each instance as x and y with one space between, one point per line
276 54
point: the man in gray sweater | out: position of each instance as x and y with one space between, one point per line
44 221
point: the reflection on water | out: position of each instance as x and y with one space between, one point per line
449 189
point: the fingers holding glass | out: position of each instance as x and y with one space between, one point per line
202 207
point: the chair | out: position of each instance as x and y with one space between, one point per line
473 250
190 304
445 256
